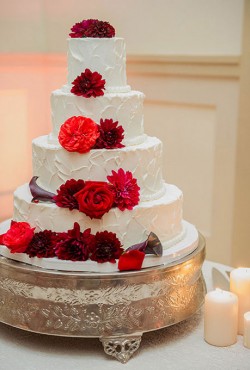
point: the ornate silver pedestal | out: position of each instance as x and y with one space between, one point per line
117 308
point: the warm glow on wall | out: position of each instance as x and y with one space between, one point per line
13 145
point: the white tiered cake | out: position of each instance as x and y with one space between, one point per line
160 207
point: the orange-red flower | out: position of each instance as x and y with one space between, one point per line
78 134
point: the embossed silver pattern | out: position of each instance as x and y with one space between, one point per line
102 305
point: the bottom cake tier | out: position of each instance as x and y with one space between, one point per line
161 216
181 247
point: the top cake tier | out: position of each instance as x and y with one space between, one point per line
106 56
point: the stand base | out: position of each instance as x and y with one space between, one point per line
117 308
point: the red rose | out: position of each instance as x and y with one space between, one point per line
131 260
78 134
95 199
18 237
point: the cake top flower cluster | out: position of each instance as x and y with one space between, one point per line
92 28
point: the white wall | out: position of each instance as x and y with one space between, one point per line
163 27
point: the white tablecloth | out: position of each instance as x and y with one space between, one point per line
175 348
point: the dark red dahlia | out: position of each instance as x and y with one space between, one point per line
88 84
42 244
92 28
107 247
100 29
65 194
125 188
75 245
111 135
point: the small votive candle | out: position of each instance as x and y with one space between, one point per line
221 318
246 338
240 285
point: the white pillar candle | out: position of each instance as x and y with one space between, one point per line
247 329
240 285
221 318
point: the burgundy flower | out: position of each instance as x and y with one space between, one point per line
78 134
95 199
42 244
88 84
107 247
125 189
100 29
131 260
92 28
75 245
111 135
65 195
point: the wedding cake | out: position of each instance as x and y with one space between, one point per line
97 197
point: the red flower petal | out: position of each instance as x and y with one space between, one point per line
131 260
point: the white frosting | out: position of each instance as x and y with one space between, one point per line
178 250
106 56
126 108
162 216
160 207
54 165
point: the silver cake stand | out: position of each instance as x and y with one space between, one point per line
117 308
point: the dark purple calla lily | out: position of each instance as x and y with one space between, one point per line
151 245
38 193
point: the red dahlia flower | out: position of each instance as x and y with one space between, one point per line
88 84
125 188
75 245
111 135
78 134
95 199
18 237
65 194
107 247
92 28
42 244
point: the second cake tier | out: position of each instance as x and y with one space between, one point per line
54 165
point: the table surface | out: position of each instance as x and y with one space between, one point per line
180 346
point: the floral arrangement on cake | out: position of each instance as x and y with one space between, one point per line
74 245
81 134
94 198
92 28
